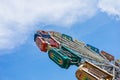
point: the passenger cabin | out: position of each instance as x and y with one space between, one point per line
42 44
63 57
67 37
89 71
43 40
92 48
106 55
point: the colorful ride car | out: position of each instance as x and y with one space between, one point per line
92 48
67 37
75 58
42 44
107 55
89 71
43 40
63 57
60 59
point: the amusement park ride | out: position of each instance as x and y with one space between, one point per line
64 51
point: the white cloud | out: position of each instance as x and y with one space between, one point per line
16 16
111 7
11 36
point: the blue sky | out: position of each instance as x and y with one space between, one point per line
95 22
